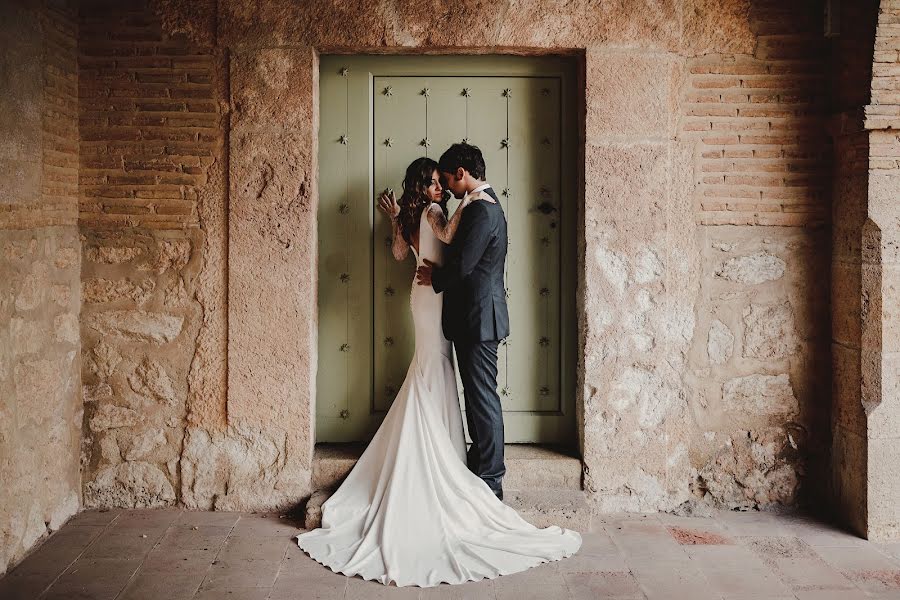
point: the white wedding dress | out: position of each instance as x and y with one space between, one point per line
410 511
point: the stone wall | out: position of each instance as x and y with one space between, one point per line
40 396
703 257
151 219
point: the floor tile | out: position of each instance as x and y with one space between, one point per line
748 523
733 572
317 588
670 580
265 525
215 518
239 593
124 543
361 589
242 573
645 539
254 547
544 574
195 537
855 558
586 563
537 591
882 582
796 563
94 517
159 585
93 579
603 585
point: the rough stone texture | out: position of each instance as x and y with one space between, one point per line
137 353
769 331
772 386
760 394
720 342
514 23
644 108
755 268
712 26
131 484
753 469
271 353
40 387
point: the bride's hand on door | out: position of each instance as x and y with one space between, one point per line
387 203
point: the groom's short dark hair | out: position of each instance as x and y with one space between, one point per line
463 155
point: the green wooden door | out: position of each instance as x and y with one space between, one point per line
377 115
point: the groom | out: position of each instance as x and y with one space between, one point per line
475 316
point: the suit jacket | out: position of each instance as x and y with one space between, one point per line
472 276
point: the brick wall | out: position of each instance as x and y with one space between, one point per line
764 155
149 122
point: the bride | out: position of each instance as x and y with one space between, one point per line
410 511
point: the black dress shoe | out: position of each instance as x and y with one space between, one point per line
499 494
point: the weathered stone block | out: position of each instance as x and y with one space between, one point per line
171 255
884 418
720 342
752 269
151 380
129 485
769 331
760 394
628 94
750 471
104 360
644 390
142 444
882 489
66 329
137 325
110 416
273 87
271 347
716 27
628 186
645 23
100 290
113 255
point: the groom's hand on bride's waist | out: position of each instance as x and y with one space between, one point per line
423 273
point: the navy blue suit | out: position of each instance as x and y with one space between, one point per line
475 317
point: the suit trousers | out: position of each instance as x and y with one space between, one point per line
484 415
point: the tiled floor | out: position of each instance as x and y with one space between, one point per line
174 554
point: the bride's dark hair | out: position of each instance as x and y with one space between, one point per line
415 195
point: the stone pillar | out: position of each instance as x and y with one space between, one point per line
634 329
272 258
880 335
866 292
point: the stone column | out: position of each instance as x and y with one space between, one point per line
880 334
263 459
634 328
866 297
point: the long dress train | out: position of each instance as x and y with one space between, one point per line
410 511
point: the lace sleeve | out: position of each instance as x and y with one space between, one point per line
444 230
